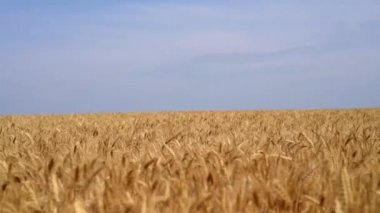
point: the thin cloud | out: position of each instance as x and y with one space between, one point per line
178 55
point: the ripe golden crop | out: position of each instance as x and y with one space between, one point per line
260 161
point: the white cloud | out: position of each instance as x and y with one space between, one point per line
154 50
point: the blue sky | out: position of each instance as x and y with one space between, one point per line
121 56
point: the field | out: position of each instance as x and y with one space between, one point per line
259 161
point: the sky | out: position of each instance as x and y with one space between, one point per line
77 56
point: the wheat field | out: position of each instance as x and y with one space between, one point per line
238 161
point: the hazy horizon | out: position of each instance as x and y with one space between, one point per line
141 56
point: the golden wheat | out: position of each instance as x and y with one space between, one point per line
263 161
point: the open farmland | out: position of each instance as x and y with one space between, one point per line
259 161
